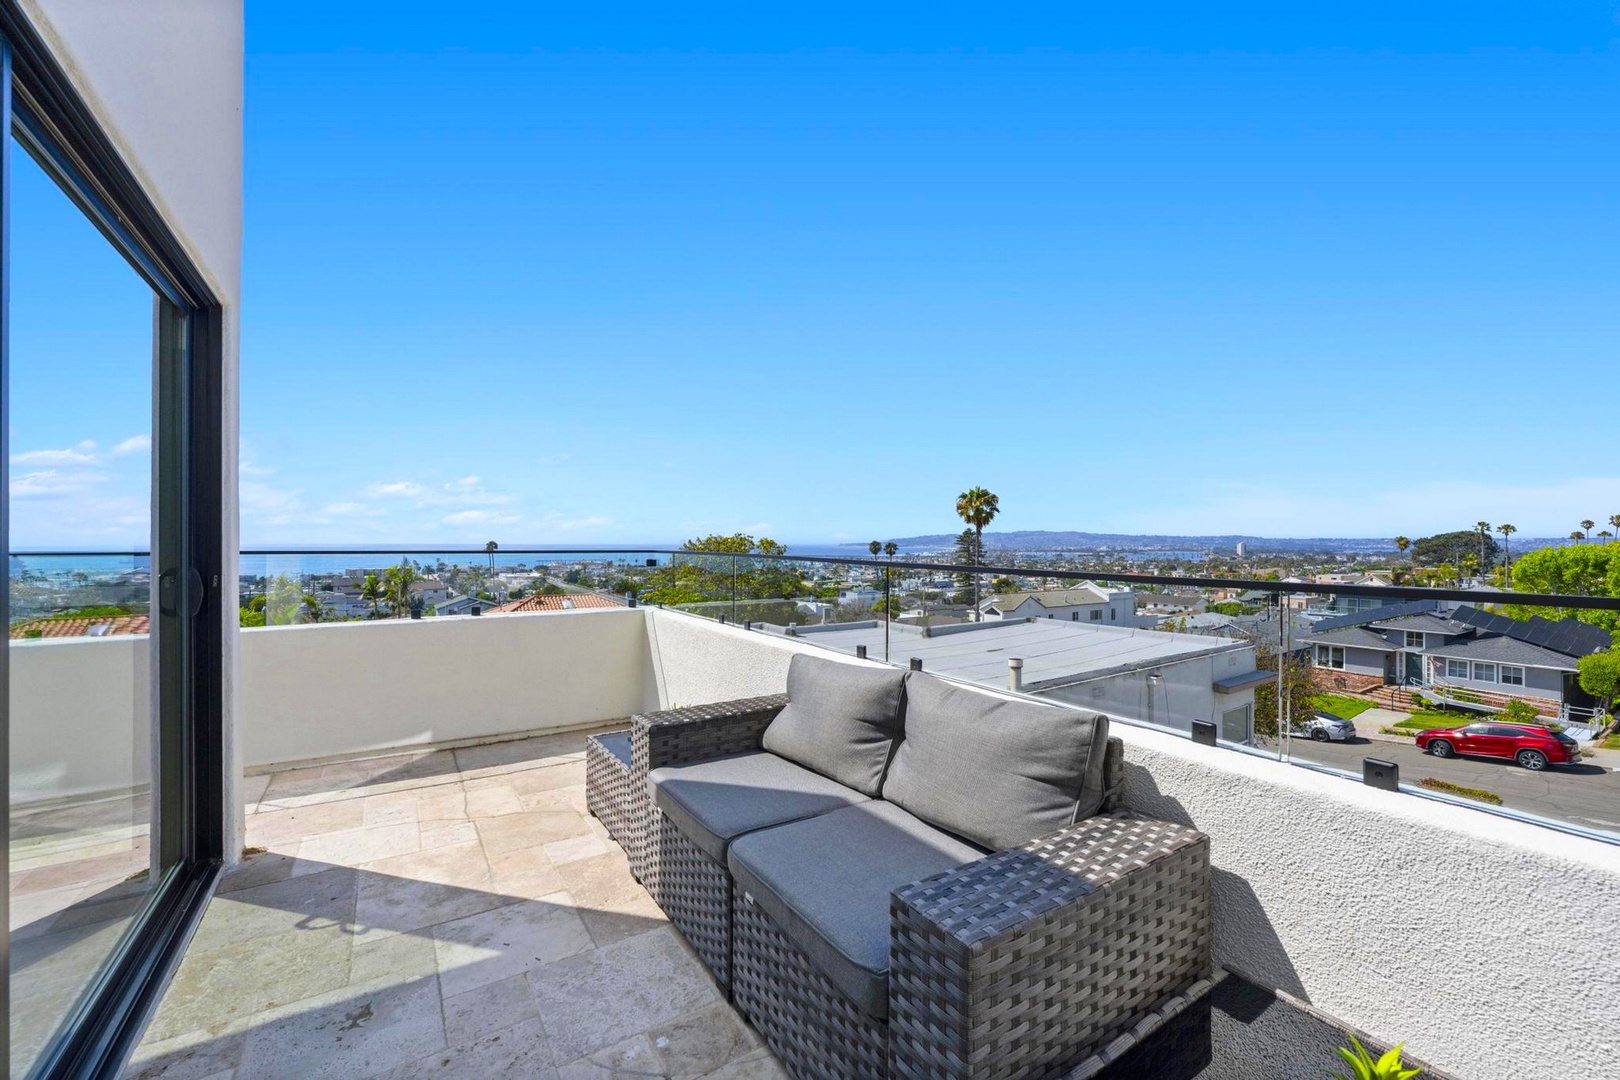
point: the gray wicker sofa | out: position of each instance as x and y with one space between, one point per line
895 876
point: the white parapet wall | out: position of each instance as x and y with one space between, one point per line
316 692
80 717
80 707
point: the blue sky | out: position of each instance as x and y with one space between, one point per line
607 276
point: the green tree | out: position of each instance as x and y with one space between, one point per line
247 616
1484 530
966 550
490 549
978 507
710 572
1599 675
1450 547
1586 528
374 592
1507 552
1299 687
1520 711
1586 570
1401 544
283 601
397 587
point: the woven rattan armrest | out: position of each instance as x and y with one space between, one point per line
679 736
1031 959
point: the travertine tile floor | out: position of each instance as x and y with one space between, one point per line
454 913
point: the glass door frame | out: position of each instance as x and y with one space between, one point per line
42 111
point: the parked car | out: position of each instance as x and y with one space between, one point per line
1534 747
1325 727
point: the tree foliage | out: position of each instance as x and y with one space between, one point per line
1299 688
1452 547
1600 677
710 572
1580 570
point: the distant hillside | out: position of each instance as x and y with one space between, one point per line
1040 540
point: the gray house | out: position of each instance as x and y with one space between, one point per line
1490 656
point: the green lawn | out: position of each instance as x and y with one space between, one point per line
1347 708
1424 719
1612 742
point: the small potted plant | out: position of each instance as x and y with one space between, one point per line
417 606
1364 1067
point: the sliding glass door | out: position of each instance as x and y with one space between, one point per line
111 678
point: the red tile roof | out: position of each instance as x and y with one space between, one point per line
566 602
66 628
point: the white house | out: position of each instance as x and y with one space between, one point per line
1087 602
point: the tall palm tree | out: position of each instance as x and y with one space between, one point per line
1577 536
978 507
490 549
398 588
1401 544
1614 519
1606 535
1586 528
875 548
1507 552
1484 528
373 591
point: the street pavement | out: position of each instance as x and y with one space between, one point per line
1587 794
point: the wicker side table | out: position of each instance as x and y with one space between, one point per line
610 793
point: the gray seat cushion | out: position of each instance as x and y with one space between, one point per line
842 720
995 771
826 882
714 802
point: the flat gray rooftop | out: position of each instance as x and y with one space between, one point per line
1050 648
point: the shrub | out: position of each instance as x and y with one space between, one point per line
1364 1067
1477 794
1519 711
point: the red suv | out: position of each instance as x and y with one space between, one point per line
1531 745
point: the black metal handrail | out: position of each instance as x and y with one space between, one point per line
1477 596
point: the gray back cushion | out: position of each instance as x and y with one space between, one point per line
841 720
996 772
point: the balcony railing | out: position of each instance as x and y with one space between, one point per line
340 721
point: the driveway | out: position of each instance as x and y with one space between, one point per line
1587 794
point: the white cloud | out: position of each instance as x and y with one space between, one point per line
83 453
467 491
48 482
135 444
398 487
351 509
479 517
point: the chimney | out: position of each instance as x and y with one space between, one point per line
1015 673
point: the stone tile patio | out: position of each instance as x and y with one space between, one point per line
454 913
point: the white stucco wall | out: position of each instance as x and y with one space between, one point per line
79 707
80 718
1418 921
165 80
313 692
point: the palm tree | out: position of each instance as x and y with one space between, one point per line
978 507
891 549
398 588
1614 519
1586 528
490 549
1507 552
1606 535
1577 536
313 610
373 590
874 547
1401 544
1484 528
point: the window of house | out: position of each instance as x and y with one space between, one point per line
1456 669
1414 639
1512 676
1484 672
1330 656
1113 616
1096 616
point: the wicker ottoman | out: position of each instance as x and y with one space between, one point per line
610 791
